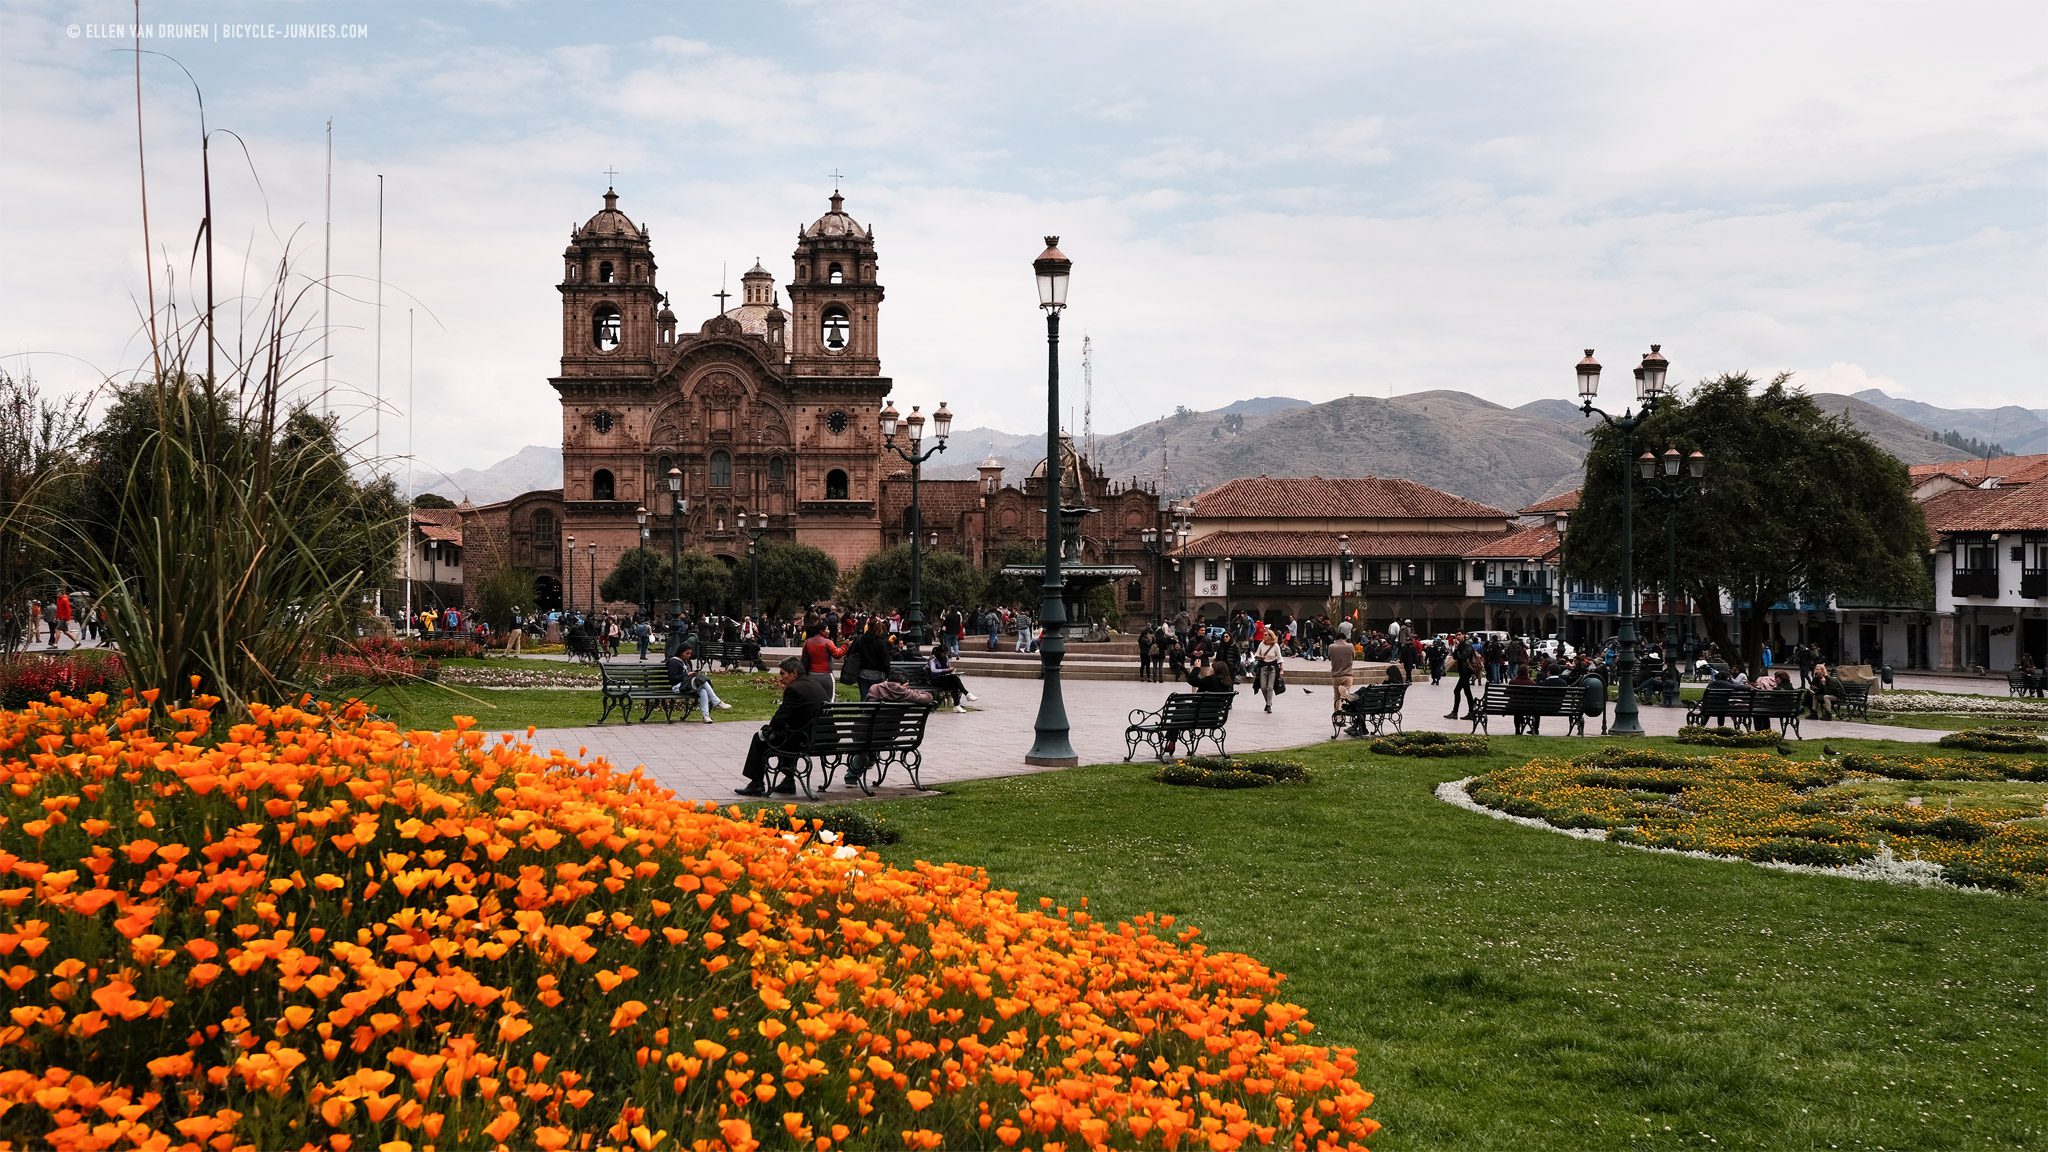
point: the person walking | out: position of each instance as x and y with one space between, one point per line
871 649
1340 655
64 618
1266 664
50 621
1467 658
786 732
1145 635
818 655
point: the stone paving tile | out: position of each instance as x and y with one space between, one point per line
702 761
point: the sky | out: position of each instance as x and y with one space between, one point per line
1304 199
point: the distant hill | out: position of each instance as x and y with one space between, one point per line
2020 431
533 467
1506 457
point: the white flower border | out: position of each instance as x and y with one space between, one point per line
1883 868
1949 703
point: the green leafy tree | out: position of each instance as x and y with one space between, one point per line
39 436
432 500
498 592
623 584
1017 591
883 581
1798 505
704 579
1105 604
792 575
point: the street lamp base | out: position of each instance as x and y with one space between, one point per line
1038 761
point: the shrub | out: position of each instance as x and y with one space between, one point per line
1945 767
1728 737
839 823
1429 744
311 929
1229 772
1995 740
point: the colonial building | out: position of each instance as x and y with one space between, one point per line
1279 546
762 410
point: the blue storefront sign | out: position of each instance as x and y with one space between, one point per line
1592 603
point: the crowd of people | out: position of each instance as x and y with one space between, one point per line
60 619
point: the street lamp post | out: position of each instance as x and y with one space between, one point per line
1408 602
753 530
942 427
433 572
1161 542
678 504
1343 577
569 578
1052 747
593 576
640 561
1673 488
1649 390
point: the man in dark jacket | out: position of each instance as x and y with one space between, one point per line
803 698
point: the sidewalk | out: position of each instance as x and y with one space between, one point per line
702 761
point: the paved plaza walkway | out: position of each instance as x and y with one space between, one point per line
702 761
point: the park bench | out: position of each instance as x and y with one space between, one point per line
864 739
1720 701
919 676
648 685
1369 710
2018 683
1782 705
1855 700
580 645
1529 703
1186 716
1749 708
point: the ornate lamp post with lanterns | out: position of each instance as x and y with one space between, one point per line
1052 747
678 504
1650 376
640 515
753 529
942 427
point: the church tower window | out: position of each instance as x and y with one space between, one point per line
604 272
601 485
606 327
775 472
835 484
836 327
835 275
721 469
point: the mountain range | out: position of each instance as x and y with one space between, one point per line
1505 457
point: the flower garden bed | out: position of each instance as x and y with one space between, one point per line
31 678
1429 744
1995 740
311 929
1728 737
1774 809
1952 704
1229 771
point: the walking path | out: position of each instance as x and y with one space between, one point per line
702 761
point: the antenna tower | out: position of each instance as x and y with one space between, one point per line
1088 396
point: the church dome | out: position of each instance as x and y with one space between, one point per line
609 221
836 222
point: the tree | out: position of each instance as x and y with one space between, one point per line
624 582
883 581
1798 505
38 439
498 592
704 579
793 575
432 500
1016 590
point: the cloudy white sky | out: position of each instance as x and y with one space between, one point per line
1304 199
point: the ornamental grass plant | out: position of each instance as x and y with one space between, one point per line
310 929
1229 771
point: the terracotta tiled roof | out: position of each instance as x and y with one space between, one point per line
1563 502
443 524
1537 543
1321 544
2008 470
2023 508
1361 497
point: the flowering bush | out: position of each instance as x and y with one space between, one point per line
446 648
1229 772
313 930
370 664
32 678
1947 703
1429 744
1994 740
1728 737
1770 808
499 676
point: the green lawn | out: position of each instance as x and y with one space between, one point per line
752 696
1512 988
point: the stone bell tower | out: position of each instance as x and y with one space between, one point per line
835 300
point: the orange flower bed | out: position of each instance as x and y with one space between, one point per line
315 931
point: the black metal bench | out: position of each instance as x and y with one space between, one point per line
1782 705
1855 700
645 684
1720 702
863 740
580 645
918 675
1369 710
1186 716
1529 703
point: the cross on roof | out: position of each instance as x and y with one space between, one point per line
721 294
611 176
835 178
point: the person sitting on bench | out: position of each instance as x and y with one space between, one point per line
683 672
944 680
785 734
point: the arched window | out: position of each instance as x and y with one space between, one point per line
605 327
721 469
601 487
775 471
604 272
1136 593
835 275
836 328
835 484
575 273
